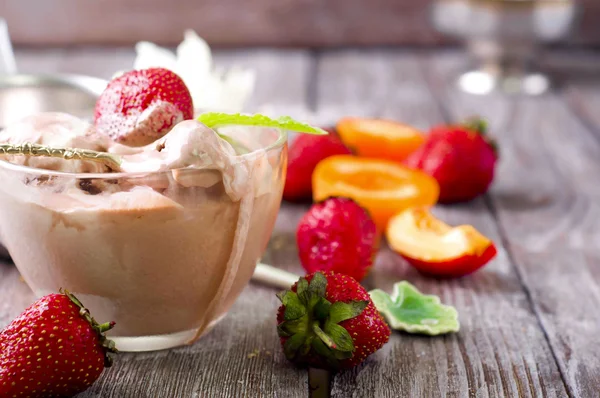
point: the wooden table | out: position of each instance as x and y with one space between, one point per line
530 320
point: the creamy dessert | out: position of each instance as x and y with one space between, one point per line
160 238
163 245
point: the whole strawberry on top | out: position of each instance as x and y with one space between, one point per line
460 157
337 235
53 349
328 320
303 155
140 106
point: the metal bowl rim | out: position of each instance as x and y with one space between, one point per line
91 84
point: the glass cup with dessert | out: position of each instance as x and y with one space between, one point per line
153 218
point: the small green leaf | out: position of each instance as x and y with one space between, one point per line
217 119
299 325
343 354
307 344
323 336
409 310
280 295
340 336
321 309
291 346
281 332
318 284
302 290
294 309
341 311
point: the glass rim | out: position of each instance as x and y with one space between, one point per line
4 164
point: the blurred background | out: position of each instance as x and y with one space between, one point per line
502 38
240 23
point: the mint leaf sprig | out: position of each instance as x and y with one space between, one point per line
215 120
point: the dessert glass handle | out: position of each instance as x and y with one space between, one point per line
8 64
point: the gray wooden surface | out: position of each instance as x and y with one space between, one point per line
300 23
530 320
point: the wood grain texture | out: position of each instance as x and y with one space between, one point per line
231 22
546 201
313 23
241 357
501 350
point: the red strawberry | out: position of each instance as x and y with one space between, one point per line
54 348
327 320
140 106
461 158
304 154
337 235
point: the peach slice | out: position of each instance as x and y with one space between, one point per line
435 248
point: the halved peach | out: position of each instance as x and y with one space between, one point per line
382 187
435 248
379 138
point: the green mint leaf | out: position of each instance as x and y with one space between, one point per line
291 346
409 310
215 120
294 309
321 309
340 336
341 311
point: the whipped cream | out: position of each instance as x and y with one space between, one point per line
190 144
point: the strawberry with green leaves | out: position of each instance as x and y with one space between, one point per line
53 349
327 320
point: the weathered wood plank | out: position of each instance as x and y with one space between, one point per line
242 355
501 350
581 85
546 200
236 22
231 22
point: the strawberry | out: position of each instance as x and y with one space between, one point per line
460 157
328 320
304 154
337 235
140 106
54 348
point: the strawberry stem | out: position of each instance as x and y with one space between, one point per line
100 329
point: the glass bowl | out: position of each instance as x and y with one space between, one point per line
163 254
504 39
